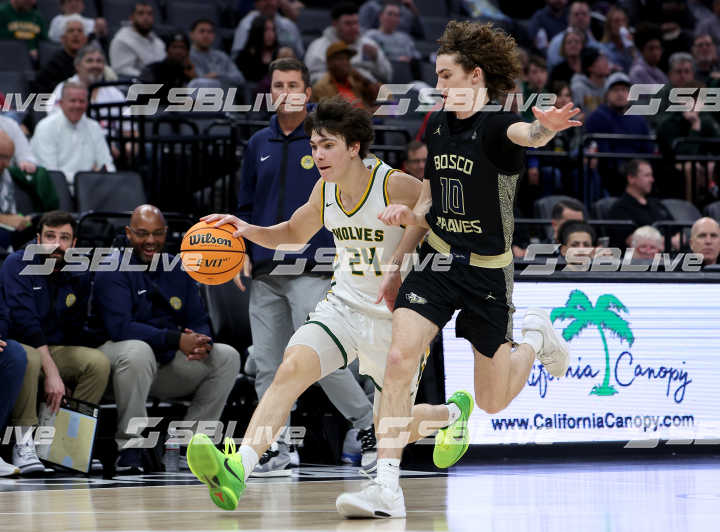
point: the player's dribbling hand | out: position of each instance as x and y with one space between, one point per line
389 289
397 215
222 219
557 119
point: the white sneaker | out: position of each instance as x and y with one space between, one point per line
7 470
555 354
375 501
25 458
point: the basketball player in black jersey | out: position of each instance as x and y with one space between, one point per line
475 158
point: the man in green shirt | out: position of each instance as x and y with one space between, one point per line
18 20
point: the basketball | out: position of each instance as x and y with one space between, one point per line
211 255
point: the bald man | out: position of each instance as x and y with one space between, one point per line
10 221
705 239
160 341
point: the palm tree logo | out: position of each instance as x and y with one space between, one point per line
580 309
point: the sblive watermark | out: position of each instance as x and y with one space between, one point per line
644 99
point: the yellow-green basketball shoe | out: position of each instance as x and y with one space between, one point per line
452 441
223 473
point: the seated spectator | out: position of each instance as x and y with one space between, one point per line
588 88
636 204
175 70
264 85
13 362
397 45
646 242
209 63
11 223
677 23
369 60
548 22
578 19
343 79
260 49
136 46
563 211
705 239
48 314
648 39
19 20
707 64
61 65
159 335
710 25
617 42
22 156
681 73
96 27
287 32
570 50
577 243
535 83
610 117
58 136
416 157
370 11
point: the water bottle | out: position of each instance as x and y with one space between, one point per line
541 39
172 453
626 37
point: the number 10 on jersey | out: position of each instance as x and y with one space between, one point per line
453 199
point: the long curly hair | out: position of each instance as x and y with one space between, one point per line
487 47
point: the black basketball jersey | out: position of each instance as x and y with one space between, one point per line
472 199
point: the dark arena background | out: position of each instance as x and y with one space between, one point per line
616 237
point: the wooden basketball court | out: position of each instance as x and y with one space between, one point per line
652 495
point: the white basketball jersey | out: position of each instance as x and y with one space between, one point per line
364 244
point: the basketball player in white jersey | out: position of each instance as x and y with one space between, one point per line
350 322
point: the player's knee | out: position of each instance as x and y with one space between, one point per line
401 365
291 372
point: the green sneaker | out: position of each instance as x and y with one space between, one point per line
223 473
452 441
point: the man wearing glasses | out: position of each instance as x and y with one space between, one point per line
160 341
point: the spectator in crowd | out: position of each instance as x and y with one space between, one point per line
58 137
710 25
160 339
278 164
8 211
547 22
260 49
397 45
535 83
19 20
570 50
588 88
707 65
209 63
677 23
648 39
61 65
135 46
415 159
617 41
646 242
410 23
13 362
579 19
563 211
370 60
287 32
681 73
96 27
705 239
343 79
580 237
636 204
48 314
610 117
175 70
22 156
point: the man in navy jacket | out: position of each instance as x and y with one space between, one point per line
278 174
159 333
48 314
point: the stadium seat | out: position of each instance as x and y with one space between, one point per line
432 8
681 210
14 82
427 71
402 73
49 8
118 11
23 201
426 47
47 49
63 191
113 191
313 21
15 56
183 14
713 210
602 207
434 27
544 206
227 306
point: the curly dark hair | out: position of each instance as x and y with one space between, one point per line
487 47
338 116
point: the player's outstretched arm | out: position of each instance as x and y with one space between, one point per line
548 123
291 234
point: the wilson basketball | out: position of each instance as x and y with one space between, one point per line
211 255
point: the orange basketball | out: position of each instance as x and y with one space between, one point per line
211 255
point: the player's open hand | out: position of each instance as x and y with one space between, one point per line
223 219
397 215
557 119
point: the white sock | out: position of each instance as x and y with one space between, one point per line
388 472
249 459
534 339
453 413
